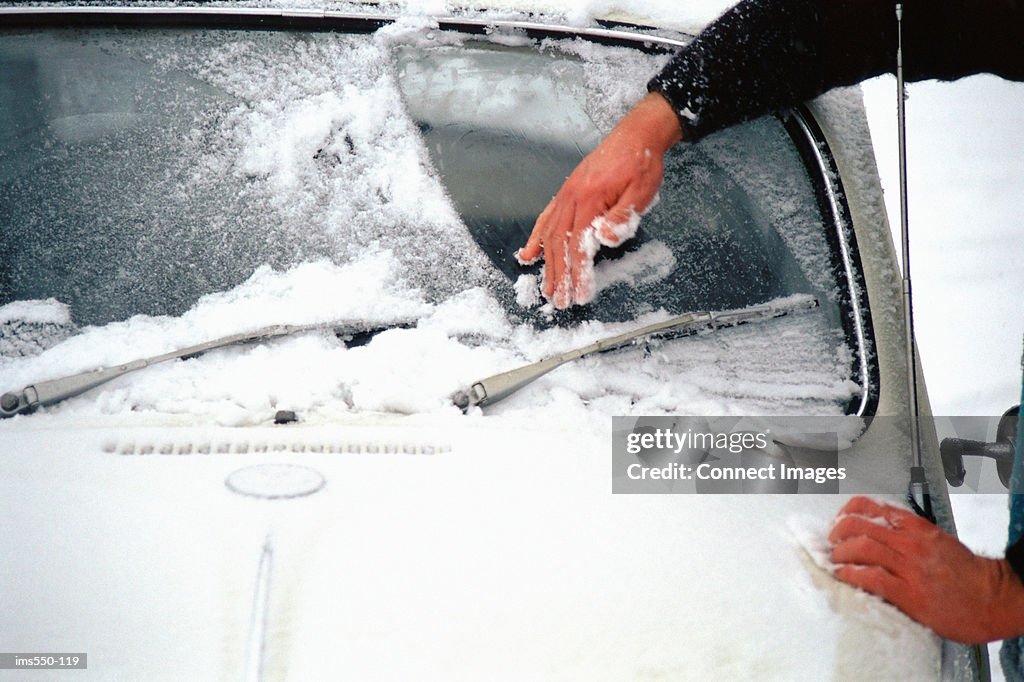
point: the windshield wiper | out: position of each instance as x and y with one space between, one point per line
499 386
54 391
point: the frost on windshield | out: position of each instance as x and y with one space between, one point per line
144 169
224 181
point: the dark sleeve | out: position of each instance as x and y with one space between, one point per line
1015 556
765 55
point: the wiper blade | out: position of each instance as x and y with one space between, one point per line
499 386
54 391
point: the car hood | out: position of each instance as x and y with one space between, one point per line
476 552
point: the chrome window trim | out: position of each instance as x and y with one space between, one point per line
251 14
855 288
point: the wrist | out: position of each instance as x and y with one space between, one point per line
653 121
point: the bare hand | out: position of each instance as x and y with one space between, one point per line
601 201
926 573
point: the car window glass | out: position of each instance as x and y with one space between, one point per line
162 172
144 169
732 215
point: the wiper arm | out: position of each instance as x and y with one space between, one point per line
499 386
54 391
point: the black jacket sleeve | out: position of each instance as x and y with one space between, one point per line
765 55
1015 556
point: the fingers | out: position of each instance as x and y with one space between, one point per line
887 513
600 203
563 235
568 236
851 526
871 579
620 222
570 233
864 525
534 248
870 564
555 263
877 543
864 550
862 541
583 246
865 506
616 226
558 267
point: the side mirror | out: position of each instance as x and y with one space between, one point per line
953 450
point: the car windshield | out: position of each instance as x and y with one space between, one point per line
161 187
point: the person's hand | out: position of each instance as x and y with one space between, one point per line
601 201
926 573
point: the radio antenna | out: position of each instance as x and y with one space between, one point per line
919 495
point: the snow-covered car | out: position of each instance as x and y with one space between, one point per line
334 492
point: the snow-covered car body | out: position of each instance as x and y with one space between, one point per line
363 169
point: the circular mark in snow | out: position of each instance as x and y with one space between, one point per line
275 481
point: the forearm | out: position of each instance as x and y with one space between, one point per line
653 121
